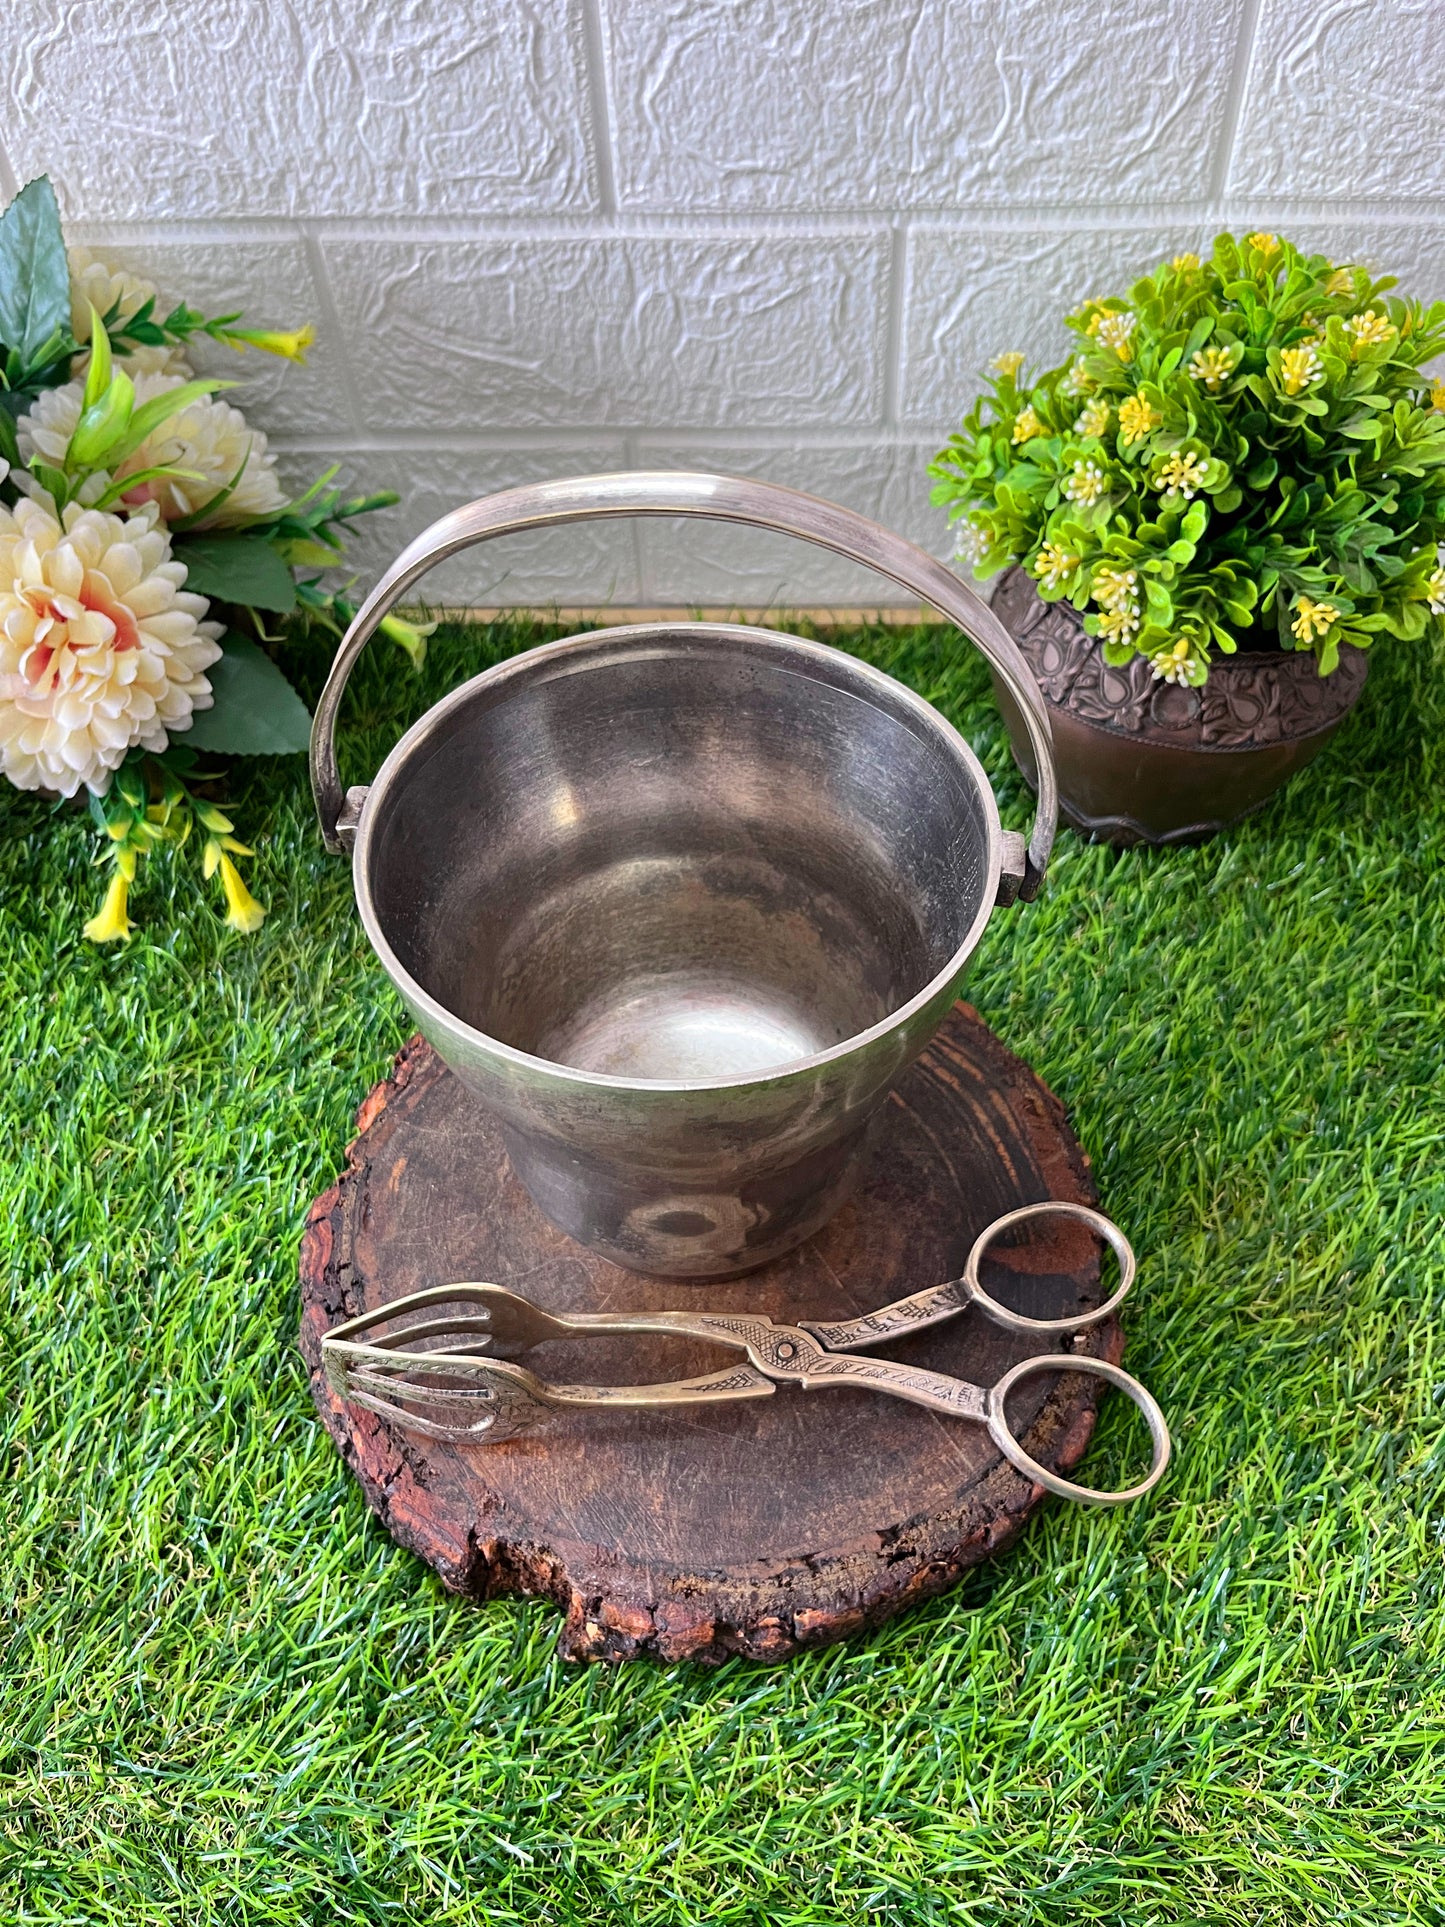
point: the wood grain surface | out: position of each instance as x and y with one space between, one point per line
756 1528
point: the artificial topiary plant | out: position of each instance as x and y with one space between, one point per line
1242 453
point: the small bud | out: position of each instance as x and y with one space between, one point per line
291 344
243 913
410 635
110 923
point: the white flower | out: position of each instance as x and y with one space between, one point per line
1367 330
1214 365
972 543
1085 483
1181 474
94 285
1298 367
1177 663
209 437
1093 421
100 647
1435 592
1116 331
1116 589
1053 565
1118 625
1076 381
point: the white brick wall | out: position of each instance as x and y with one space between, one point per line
772 237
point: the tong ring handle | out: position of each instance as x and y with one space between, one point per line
1076 1321
1003 1438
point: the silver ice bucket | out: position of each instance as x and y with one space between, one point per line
681 901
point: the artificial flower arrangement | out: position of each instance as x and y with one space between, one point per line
144 541
1242 452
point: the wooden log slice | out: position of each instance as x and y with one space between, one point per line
755 1528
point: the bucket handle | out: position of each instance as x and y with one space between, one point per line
717 498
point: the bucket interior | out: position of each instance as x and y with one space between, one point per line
680 858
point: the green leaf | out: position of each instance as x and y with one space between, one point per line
159 409
237 568
256 711
34 274
102 425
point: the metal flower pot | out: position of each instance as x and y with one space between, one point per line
680 901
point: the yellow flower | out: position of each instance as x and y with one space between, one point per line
290 343
1435 591
1027 426
1298 367
1086 483
1117 590
1265 243
1093 419
1053 565
1369 328
1118 625
1342 281
1315 619
1183 262
1137 419
1181 474
1214 365
243 913
1010 363
1437 396
110 922
1115 331
1176 663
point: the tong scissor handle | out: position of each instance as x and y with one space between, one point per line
998 1427
791 1355
939 1302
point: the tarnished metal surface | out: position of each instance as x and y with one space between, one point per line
680 901
467 1390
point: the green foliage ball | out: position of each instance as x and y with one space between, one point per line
1243 452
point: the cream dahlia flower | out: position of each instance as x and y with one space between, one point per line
94 285
210 438
100 647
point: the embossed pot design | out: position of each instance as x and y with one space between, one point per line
681 901
1141 761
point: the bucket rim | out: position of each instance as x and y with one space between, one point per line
429 1009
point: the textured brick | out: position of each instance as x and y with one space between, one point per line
676 331
271 282
246 107
593 563
867 103
1344 101
716 562
972 295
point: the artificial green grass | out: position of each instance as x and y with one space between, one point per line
225 1696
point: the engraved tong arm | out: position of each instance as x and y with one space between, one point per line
468 1381
938 1303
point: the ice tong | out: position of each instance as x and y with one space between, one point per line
483 1400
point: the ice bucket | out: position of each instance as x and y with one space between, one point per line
680 901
